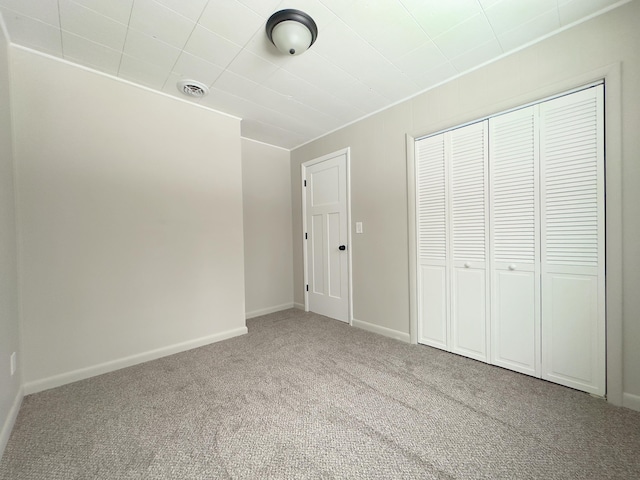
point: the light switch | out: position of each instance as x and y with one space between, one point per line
358 227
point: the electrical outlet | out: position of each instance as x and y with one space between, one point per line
13 363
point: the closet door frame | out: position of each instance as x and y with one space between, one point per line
612 77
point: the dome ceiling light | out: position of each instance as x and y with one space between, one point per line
291 31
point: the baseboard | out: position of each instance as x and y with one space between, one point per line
387 332
299 306
10 421
83 373
631 401
266 311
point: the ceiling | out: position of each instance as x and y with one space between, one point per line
369 53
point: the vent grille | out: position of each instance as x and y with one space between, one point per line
191 88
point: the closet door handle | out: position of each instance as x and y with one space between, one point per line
512 266
467 264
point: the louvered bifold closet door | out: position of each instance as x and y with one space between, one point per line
572 194
515 237
468 206
433 278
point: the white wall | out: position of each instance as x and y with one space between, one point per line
130 222
378 168
10 388
268 267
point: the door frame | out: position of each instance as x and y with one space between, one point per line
612 77
303 171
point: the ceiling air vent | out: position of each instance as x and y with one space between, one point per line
191 88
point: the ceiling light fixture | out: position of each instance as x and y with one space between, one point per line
291 31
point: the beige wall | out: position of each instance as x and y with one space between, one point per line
268 267
130 222
10 394
378 166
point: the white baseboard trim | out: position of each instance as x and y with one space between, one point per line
10 421
387 332
106 367
299 306
631 401
266 311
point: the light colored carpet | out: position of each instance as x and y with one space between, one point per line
303 396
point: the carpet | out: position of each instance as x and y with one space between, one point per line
302 396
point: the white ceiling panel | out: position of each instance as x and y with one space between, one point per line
154 51
90 54
211 47
262 7
144 73
362 96
436 75
387 26
216 15
506 15
391 84
289 106
339 46
33 33
288 84
87 23
420 60
574 10
118 10
268 133
44 10
465 36
235 84
477 56
529 31
252 67
195 68
158 21
368 55
487 3
438 16
191 9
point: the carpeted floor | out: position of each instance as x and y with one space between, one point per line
303 396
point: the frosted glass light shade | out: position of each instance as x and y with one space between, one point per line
291 37
291 31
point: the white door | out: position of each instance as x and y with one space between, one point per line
573 281
433 276
515 237
326 236
469 228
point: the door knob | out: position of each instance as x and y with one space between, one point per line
342 247
467 264
512 267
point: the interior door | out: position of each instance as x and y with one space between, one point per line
515 237
469 206
326 236
433 276
573 260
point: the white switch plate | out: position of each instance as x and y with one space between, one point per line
13 363
358 227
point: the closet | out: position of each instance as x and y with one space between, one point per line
510 240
